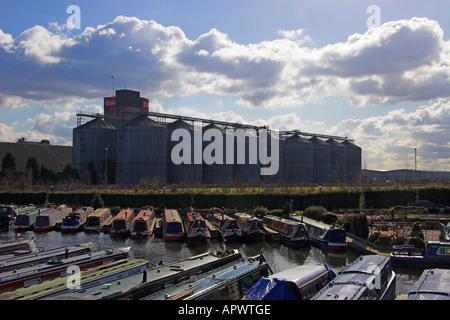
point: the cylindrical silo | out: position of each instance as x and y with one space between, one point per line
275 156
90 141
142 151
321 160
246 164
298 159
187 172
353 160
338 161
215 173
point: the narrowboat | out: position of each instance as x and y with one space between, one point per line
228 228
143 225
97 219
196 230
213 230
229 282
121 223
13 248
25 221
298 283
9 214
173 227
75 221
325 236
252 229
158 228
55 268
47 220
369 277
435 255
433 284
101 275
152 280
292 233
24 260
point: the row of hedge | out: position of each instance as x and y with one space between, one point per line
332 200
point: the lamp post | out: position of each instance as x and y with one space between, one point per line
415 159
106 166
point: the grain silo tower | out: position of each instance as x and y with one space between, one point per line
142 151
216 174
338 161
246 164
94 142
298 159
279 175
321 160
184 173
353 160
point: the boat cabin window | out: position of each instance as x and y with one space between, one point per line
174 227
443 251
139 226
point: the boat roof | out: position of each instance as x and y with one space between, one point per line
52 287
287 221
124 214
99 212
204 283
57 264
171 215
155 274
367 264
301 274
341 291
433 284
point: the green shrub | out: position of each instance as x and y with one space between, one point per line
383 240
315 212
417 242
360 226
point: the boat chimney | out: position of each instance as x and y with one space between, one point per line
144 276
66 253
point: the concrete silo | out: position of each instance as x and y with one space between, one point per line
298 159
353 160
90 141
215 173
338 161
321 160
142 151
187 172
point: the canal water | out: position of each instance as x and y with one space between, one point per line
155 250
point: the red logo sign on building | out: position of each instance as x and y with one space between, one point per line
144 103
109 102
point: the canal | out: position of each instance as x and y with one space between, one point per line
156 250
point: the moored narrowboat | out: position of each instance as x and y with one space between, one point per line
25 221
143 225
97 219
297 283
196 230
435 255
18 247
433 284
252 229
325 236
121 223
228 228
369 277
76 220
173 227
48 220
54 268
292 233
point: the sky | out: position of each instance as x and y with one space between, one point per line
376 72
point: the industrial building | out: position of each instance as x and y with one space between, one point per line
129 143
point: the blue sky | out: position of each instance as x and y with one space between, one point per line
309 65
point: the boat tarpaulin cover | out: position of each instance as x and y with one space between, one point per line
270 289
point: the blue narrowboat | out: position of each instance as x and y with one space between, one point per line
75 221
298 283
369 277
433 284
435 255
